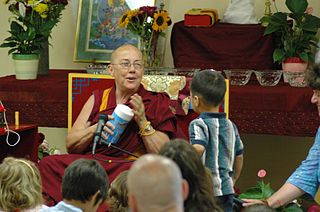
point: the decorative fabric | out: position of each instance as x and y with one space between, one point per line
160 83
278 110
222 143
221 46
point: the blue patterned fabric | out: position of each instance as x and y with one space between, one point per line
306 176
222 144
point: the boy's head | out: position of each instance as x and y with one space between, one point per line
207 89
84 179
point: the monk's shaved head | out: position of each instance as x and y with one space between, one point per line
124 48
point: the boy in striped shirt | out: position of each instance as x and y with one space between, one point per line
215 137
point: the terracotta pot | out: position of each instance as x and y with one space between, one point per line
293 64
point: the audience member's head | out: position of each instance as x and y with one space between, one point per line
118 193
207 87
20 185
313 77
258 208
201 197
155 184
85 184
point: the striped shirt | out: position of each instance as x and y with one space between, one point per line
222 144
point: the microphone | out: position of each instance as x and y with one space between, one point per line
101 122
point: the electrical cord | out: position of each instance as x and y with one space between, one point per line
8 130
117 160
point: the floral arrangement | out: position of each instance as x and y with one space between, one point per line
295 32
148 23
262 191
31 24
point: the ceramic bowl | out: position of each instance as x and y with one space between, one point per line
268 77
238 76
97 69
295 79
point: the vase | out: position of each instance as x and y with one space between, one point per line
293 64
152 51
26 66
43 68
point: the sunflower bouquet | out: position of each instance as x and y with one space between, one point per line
149 24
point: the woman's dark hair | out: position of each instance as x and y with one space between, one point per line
82 179
201 197
313 77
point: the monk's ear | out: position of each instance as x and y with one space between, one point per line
185 189
110 69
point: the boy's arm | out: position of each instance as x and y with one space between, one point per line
237 167
199 148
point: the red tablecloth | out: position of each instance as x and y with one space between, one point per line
221 46
279 110
43 101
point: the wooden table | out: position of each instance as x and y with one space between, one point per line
27 147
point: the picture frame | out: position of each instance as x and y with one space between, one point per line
98 34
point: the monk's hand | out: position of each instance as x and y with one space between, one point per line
108 128
138 110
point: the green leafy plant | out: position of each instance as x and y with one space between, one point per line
262 191
31 24
296 38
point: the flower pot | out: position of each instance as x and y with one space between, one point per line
293 64
26 66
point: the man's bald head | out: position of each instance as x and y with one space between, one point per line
156 184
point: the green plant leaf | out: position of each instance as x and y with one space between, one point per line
297 6
292 207
311 24
304 56
266 190
278 55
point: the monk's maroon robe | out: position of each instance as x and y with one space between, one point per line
158 112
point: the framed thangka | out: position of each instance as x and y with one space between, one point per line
98 33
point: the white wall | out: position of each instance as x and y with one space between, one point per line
63 36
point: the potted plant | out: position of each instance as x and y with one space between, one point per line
294 33
262 190
30 27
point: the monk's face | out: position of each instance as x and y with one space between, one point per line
127 68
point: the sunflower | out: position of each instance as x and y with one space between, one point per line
124 20
161 20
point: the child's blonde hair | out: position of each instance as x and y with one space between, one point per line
20 185
118 193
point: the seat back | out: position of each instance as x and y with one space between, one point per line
81 86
